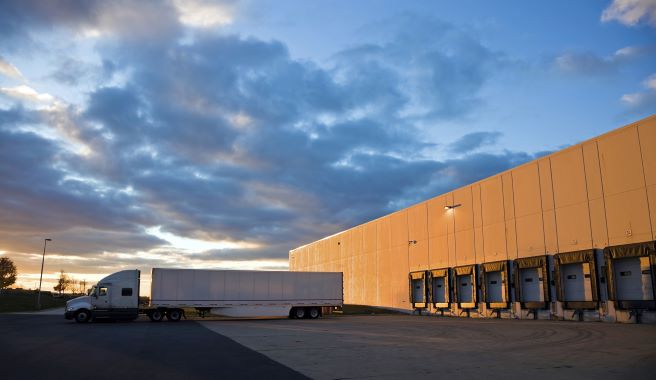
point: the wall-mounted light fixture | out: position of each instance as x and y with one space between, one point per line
450 207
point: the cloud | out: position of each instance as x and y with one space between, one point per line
591 64
631 12
26 93
642 102
41 193
473 141
650 82
436 77
204 13
21 20
222 138
86 242
129 21
72 72
9 70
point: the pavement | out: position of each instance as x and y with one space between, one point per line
403 346
50 347
54 311
336 347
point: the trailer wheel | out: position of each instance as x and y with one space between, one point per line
299 312
156 315
82 316
314 313
174 315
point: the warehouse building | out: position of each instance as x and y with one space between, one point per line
568 236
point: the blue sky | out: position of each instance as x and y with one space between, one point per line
224 133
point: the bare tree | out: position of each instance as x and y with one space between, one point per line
8 273
81 286
63 283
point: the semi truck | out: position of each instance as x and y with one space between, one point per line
230 293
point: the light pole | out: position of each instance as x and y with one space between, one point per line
43 259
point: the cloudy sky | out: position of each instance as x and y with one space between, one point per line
221 134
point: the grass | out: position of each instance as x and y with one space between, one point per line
14 300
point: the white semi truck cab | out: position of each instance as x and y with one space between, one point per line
229 293
115 296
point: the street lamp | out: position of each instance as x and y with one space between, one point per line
43 259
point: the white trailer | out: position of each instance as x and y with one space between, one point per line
231 293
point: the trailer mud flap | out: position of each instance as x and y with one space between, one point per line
440 289
532 281
495 291
465 286
418 290
576 280
630 272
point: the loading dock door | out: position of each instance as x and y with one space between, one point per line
418 291
576 279
439 290
465 289
465 286
494 286
440 293
532 285
633 279
631 275
576 282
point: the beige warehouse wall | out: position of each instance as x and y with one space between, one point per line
598 193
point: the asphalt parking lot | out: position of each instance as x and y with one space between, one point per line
50 347
403 347
336 347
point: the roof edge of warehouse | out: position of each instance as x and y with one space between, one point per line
612 131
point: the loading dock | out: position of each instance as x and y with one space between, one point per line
440 291
576 280
532 287
494 284
465 286
418 290
630 273
573 203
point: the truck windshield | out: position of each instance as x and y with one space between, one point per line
92 291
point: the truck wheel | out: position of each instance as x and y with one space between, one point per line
314 313
82 316
299 312
156 315
174 315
